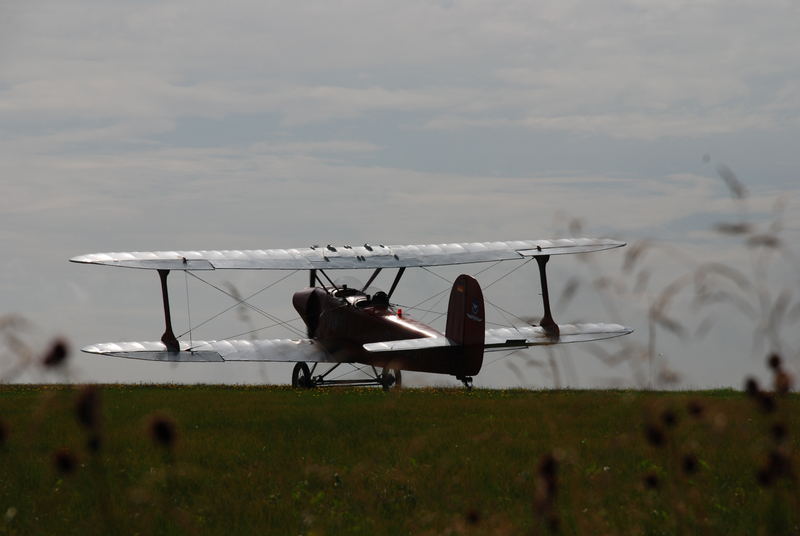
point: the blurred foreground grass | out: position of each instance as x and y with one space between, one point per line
245 460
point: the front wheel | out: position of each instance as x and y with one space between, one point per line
391 379
301 376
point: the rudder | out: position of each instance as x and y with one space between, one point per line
466 325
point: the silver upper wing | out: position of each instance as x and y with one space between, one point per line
276 350
348 257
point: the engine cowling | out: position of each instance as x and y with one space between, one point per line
308 304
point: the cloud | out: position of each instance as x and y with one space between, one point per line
622 69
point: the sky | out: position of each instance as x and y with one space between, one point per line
249 125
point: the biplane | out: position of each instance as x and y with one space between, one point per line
359 326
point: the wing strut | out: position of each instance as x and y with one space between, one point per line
328 278
312 278
371 279
547 323
396 280
168 338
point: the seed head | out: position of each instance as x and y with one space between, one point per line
651 481
751 387
93 443
162 430
695 408
553 523
767 402
689 464
65 461
669 418
56 355
764 478
87 407
774 361
778 431
783 382
548 467
779 464
473 516
654 435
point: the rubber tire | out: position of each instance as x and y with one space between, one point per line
398 379
301 376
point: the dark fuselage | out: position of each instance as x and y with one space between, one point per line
343 320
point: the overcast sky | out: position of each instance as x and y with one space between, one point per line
207 125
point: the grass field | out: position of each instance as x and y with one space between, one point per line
246 460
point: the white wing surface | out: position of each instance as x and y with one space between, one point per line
511 338
348 257
522 337
275 350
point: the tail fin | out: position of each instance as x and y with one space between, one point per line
466 324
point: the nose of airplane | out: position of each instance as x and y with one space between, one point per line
307 303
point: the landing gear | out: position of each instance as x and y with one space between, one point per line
467 381
301 376
305 378
390 379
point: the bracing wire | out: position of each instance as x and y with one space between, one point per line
517 267
496 359
347 372
275 324
448 283
253 307
239 301
484 288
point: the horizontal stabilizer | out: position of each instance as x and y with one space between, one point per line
274 350
522 337
405 345
510 338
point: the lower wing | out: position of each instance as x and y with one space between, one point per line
276 350
308 350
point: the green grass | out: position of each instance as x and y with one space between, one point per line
278 461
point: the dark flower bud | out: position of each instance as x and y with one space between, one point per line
162 430
751 387
783 382
548 467
767 402
94 443
553 523
654 435
695 408
778 431
669 418
87 407
689 464
779 464
65 461
764 478
774 361
56 355
651 481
